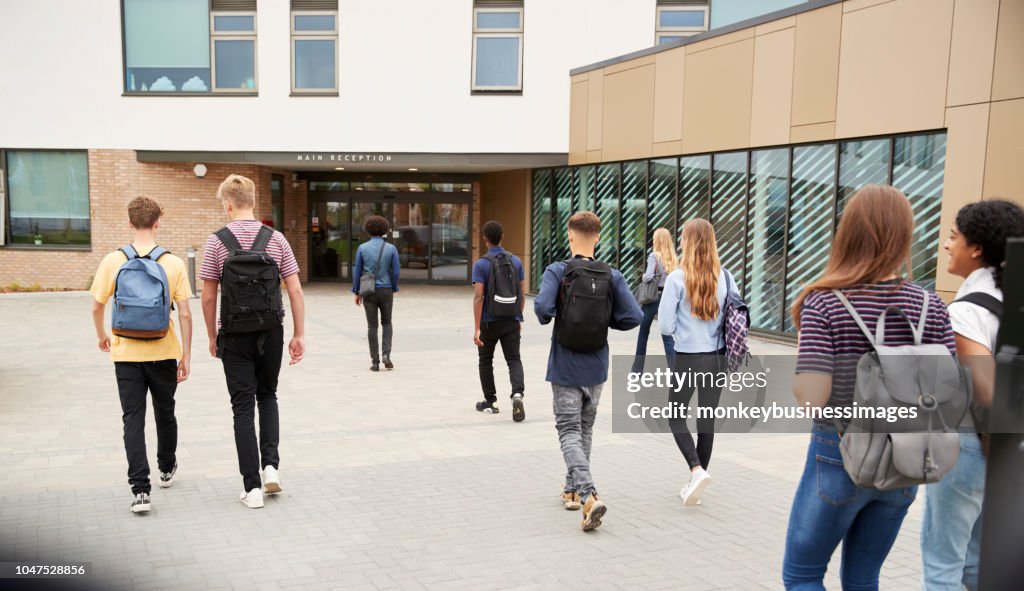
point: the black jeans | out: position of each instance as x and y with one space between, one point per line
507 333
252 362
708 395
134 379
381 300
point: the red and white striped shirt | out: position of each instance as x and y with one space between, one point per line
215 253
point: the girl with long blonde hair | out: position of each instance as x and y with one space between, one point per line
691 314
661 262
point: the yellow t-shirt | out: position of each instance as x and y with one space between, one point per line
122 349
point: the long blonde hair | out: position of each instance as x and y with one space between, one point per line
872 242
664 251
701 266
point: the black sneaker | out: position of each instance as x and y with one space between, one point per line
488 407
374 366
387 363
167 478
518 412
141 503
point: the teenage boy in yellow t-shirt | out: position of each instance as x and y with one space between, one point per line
157 365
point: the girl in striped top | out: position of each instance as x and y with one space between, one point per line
870 250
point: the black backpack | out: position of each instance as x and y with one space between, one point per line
980 414
250 285
584 306
503 295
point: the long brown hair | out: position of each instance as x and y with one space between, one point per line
701 266
872 242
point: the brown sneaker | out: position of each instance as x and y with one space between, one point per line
571 500
593 511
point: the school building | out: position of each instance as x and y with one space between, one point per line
763 115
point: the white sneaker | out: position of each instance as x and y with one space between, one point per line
699 480
252 499
271 480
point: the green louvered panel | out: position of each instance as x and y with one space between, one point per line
540 245
766 237
729 210
563 189
918 164
633 221
607 208
694 190
661 197
862 163
584 189
811 213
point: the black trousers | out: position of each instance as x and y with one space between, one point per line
708 396
380 301
507 333
252 362
134 379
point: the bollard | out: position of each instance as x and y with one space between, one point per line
192 270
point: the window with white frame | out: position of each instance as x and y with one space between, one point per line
314 27
189 46
679 19
497 46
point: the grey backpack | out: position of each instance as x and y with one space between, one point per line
890 455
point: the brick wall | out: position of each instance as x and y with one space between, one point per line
191 213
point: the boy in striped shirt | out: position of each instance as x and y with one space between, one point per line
252 360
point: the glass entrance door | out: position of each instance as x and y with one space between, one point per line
330 240
451 245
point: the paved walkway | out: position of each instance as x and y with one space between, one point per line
392 480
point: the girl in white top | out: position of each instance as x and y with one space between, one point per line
951 532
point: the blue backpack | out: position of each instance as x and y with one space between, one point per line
142 298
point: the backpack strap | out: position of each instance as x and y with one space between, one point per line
129 252
856 317
228 239
262 240
380 255
983 300
156 253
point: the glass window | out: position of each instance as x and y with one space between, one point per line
49 197
314 52
918 171
234 23
235 64
540 228
583 199
663 39
633 222
681 18
661 198
694 190
607 208
563 210
277 201
766 237
498 49
729 210
167 46
861 163
452 187
678 20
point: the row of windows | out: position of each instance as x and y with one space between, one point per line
774 210
209 46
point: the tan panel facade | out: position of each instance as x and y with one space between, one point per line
717 97
816 65
669 73
893 65
972 52
628 117
1004 159
1008 76
772 88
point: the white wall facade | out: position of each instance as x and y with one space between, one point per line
404 81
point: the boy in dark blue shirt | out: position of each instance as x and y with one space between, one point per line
490 330
578 377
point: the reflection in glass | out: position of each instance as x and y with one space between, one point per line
918 165
661 199
497 62
314 64
235 64
811 213
563 211
607 208
451 187
330 240
450 245
694 190
766 237
223 23
411 236
583 198
728 214
49 197
540 230
861 163
328 186
681 18
314 23
634 221
167 46
497 20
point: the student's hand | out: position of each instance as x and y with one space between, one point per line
297 349
183 369
476 339
104 343
213 347
359 300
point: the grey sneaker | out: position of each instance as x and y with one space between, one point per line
141 503
167 478
518 412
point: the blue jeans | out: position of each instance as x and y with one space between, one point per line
650 311
829 508
951 533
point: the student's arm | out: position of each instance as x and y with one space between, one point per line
478 309
209 303
544 305
185 324
297 346
522 296
101 330
815 359
670 297
652 265
979 358
396 268
626 313
357 273
812 388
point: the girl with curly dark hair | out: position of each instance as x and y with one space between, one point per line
379 257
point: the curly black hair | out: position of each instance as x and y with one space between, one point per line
987 224
493 232
375 225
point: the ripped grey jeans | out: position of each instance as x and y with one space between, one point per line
575 409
